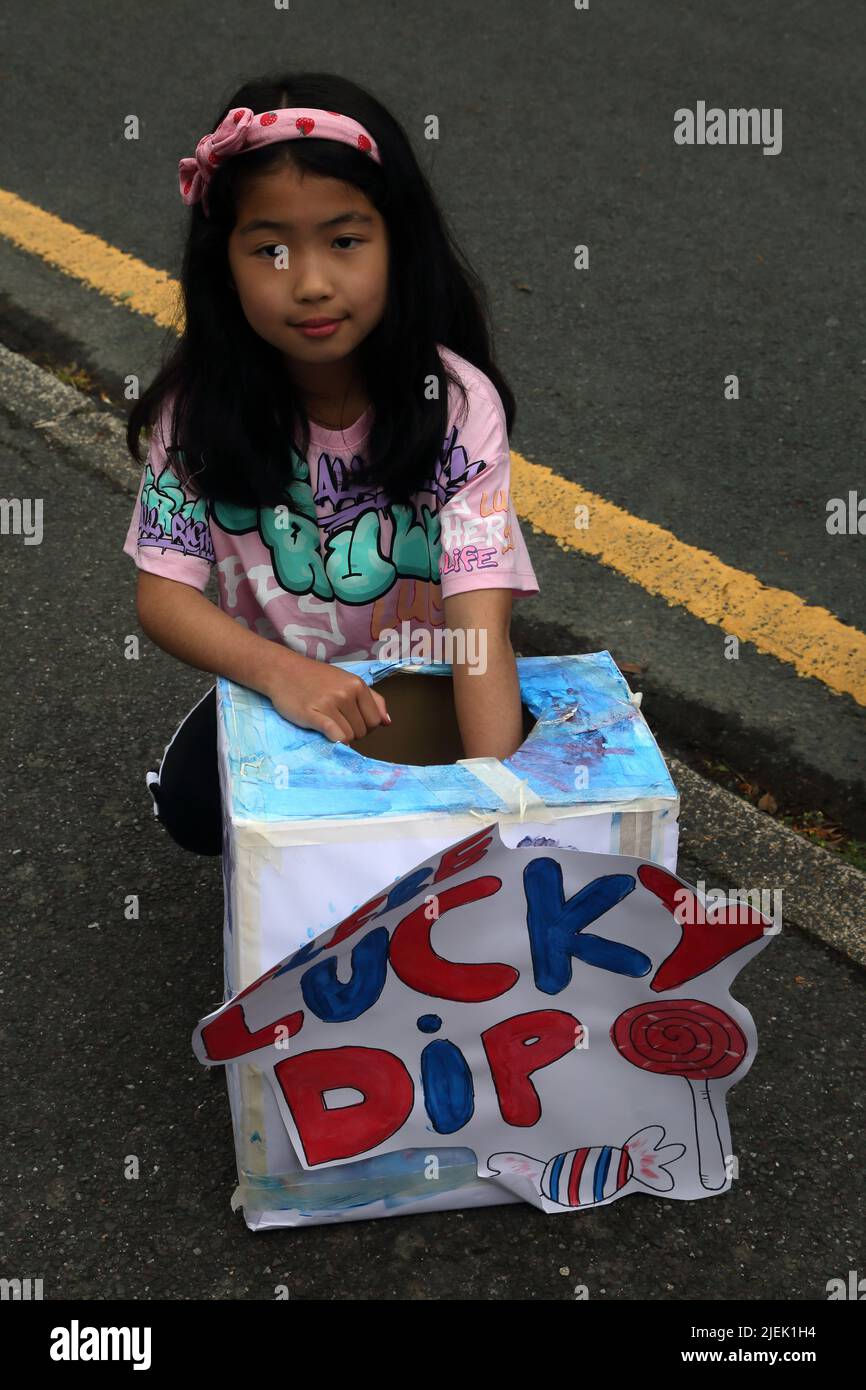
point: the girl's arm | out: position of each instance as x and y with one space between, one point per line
312 694
487 697
178 618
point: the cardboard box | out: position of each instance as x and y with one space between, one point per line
312 829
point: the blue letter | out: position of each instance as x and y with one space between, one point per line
449 1096
334 1002
555 926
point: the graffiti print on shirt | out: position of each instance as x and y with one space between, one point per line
473 539
171 521
343 555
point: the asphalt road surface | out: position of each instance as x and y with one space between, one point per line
102 1010
556 129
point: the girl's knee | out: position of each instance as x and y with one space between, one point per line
194 827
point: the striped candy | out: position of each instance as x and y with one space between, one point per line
584 1176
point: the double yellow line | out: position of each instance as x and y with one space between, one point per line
809 638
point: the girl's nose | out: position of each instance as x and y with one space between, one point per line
310 280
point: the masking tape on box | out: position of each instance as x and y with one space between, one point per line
515 791
263 836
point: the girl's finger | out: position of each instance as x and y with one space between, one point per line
355 714
334 727
373 708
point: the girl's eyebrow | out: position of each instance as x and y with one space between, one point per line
263 224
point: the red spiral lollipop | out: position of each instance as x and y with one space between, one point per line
692 1039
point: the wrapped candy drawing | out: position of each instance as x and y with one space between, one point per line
695 1040
585 1177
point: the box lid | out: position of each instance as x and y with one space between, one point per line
590 745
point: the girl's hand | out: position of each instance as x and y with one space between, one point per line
316 695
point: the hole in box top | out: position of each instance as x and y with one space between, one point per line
425 731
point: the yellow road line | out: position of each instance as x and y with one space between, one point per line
809 638
121 277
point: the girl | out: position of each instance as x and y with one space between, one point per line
330 431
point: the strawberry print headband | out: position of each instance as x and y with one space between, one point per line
243 130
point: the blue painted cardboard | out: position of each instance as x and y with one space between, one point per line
585 717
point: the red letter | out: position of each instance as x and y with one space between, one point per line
703 942
349 1129
228 1036
465 854
513 1058
355 920
419 967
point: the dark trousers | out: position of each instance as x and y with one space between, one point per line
186 790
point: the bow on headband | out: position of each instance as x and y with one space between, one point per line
243 130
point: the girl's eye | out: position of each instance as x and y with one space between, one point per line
274 247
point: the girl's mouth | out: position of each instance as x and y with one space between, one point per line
321 328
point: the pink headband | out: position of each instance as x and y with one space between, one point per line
242 130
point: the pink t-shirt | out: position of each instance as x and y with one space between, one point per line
339 569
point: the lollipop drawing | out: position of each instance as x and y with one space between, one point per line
584 1177
692 1039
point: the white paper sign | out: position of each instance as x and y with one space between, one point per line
565 1015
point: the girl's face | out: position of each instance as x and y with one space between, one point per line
309 247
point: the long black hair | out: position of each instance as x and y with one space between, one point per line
235 412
